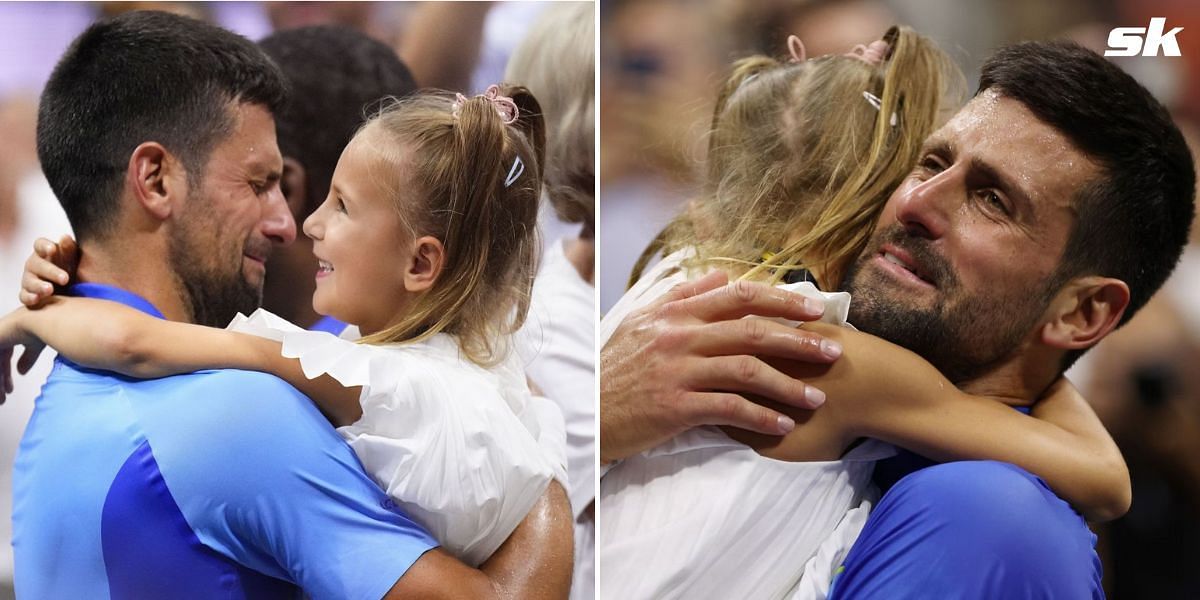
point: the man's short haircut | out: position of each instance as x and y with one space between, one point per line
1132 223
336 74
142 76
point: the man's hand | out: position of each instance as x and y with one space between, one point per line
690 358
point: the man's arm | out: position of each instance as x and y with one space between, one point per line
690 359
535 562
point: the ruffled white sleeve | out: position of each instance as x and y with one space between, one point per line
464 451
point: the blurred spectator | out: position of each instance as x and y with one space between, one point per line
825 26
660 62
556 61
372 18
464 46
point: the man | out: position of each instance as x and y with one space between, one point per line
336 75
156 133
1041 217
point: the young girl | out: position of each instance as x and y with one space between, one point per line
802 157
426 243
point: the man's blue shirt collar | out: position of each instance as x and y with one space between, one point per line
116 294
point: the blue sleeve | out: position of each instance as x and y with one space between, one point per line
976 529
262 478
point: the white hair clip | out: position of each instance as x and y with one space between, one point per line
517 169
878 104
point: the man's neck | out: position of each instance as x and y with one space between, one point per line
137 266
1019 381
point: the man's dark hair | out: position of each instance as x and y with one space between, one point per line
335 73
142 76
1132 223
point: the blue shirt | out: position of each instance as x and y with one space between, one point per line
215 484
328 324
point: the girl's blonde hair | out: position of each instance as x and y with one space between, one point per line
465 165
800 163
556 60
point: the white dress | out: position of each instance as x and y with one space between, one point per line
704 516
462 450
558 346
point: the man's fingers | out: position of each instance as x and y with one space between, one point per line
742 298
761 337
714 408
711 281
750 375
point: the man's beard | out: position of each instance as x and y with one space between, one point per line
963 335
213 293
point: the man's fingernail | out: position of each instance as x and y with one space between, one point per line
814 396
786 424
814 306
831 348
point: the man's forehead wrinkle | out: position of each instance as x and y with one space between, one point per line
1030 153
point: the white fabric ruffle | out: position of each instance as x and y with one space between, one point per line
463 450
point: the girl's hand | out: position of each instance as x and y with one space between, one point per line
13 332
50 264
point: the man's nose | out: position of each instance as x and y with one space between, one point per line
927 208
278 224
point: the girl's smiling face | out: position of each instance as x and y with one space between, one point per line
362 244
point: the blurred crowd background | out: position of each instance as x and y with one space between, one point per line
661 62
462 46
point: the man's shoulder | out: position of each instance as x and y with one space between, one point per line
233 382
230 412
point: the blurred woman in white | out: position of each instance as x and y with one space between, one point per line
556 61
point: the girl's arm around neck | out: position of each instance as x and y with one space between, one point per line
882 391
110 336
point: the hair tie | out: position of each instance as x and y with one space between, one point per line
873 54
505 107
796 48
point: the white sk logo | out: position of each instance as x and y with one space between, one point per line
1130 40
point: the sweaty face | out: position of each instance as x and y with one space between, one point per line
961 264
359 238
230 222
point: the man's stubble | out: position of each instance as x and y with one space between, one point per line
208 269
964 333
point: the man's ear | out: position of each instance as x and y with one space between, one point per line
1084 311
294 185
157 178
428 258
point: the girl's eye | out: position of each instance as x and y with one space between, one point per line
341 206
